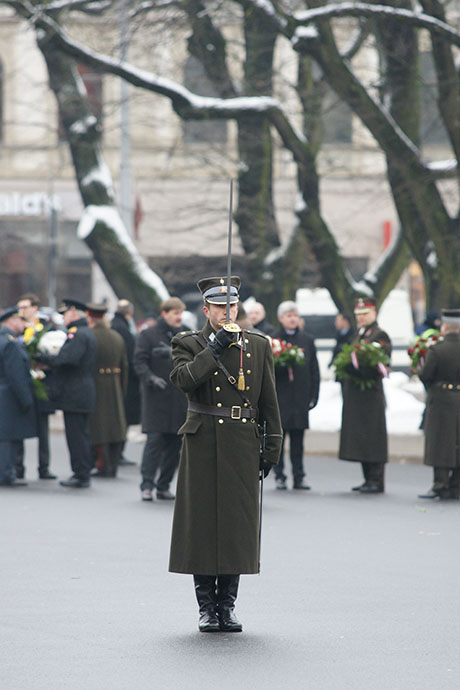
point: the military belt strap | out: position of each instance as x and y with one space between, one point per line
234 412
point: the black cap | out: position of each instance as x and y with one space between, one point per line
97 311
214 290
67 304
8 312
451 315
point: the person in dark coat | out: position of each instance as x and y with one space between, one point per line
28 305
297 388
107 423
230 385
18 413
121 323
73 389
441 375
163 405
258 318
363 435
344 334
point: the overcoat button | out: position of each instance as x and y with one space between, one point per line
215 373
248 354
221 421
246 341
244 420
248 387
219 404
248 371
218 388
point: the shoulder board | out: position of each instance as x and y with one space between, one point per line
261 335
74 329
182 334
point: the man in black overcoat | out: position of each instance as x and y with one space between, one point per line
73 389
18 413
441 375
297 388
163 406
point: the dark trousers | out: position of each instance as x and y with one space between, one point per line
43 447
106 457
77 437
161 454
446 478
296 453
8 454
374 473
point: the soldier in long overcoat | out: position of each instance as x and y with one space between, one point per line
73 390
163 406
441 375
216 517
297 388
363 436
18 413
107 423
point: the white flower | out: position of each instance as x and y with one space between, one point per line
51 342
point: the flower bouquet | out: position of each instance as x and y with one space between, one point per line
418 351
32 337
287 355
363 364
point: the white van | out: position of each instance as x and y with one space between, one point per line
315 305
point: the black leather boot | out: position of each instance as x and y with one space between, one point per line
205 590
227 591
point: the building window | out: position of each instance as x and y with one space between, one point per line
1 100
337 119
432 130
196 131
93 85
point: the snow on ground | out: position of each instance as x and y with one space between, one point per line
404 399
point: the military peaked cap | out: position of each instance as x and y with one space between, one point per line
67 304
365 304
8 312
214 290
451 315
97 311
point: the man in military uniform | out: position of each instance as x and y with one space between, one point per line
229 381
107 423
363 436
441 374
163 406
18 414
73 389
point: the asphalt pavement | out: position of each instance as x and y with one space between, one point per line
356 592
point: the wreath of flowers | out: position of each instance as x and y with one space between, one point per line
418 351
31 338
363 364
287 355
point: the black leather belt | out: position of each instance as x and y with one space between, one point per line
234 412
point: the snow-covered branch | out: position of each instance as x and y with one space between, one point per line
89 6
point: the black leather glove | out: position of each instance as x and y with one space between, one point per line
265 467
157 382
220 343
162 351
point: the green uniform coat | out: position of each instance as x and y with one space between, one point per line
442 421
216 516
107 424
363 436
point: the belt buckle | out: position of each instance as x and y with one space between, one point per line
237 414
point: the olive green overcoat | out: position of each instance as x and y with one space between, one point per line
107 424
216 515
363 435
441 375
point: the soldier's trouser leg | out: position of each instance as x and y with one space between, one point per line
440 478
205 591
170 461
19 459
374 473
43 443
454 481
113 452
227 591
279 468
8 454
152 458
78 443
296 440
